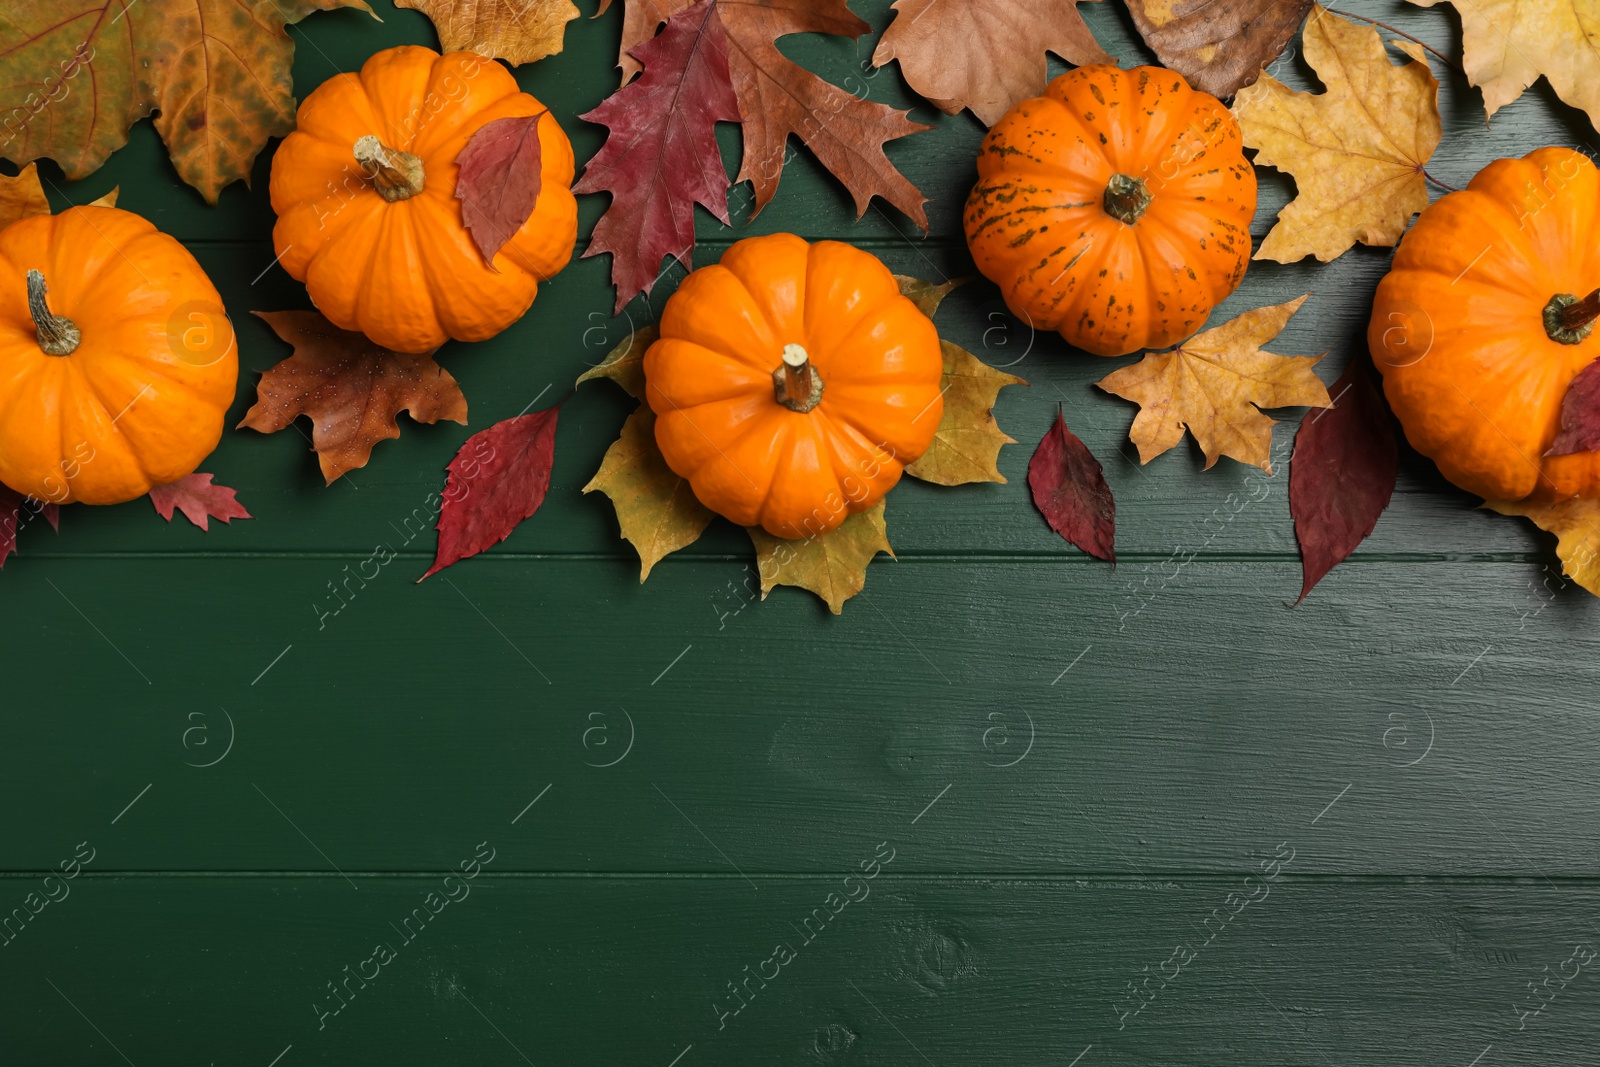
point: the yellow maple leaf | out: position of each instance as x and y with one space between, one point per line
624 364
833 566
656 509
1507 44
1213 384
1356 151
1576 524
517 31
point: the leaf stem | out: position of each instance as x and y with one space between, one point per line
1440 184
1452 64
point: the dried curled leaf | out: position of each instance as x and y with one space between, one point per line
984 54
833 566
624 364
351 389
517 31
1507 44
1213 384
1356 152
1219 45
656 509
75 74
1576 524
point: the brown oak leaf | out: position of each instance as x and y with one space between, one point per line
1213 384
498 478
350 388
1507 44
77 73
833 566
1069 489
1219 45
1342 475
517 31
656 509
199 500
1575 522
1356 152
984 54
498 180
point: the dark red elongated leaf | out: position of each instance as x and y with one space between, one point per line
499 478
199 500
661 157
1070 490
52 515
10 514
499 179
1580 414
1342 474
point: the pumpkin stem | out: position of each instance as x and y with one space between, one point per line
57 335
395 174
796 384
1126 198
1569 320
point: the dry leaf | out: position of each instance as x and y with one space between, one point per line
22 196
1069 489
1576 524
624 364
109 200
1507 44
350 388
497 181
656 509
833 566
640 21
1580 415
1213 384
517 31
10 522
1356 152
78 73
966 447
984 54
199 499
1219 45
926 295
498 479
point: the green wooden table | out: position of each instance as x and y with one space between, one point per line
966 822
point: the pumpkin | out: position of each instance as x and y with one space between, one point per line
1484 319
792 383
117 362
368 218
1114 209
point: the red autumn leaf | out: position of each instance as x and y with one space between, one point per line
199 500
1580 414
499 478
499 178
1342 474
351 389
1070 490
661 157
52 515
10 516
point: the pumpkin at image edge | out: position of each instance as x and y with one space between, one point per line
1115 209
1471 328
117 361
368 219
792 383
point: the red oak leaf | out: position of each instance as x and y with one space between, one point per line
499 179
1341 475
1070 490
1580 414
199 500
499 478
661 158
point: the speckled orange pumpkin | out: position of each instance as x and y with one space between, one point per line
792 383
1468 326
1114 209
365 191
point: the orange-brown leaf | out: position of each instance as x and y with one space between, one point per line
1220 46
350 388
22 196
517 31
640 21
984 54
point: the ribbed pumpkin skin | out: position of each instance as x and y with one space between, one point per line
1458 325
709 381
406 273
1037 226
140 402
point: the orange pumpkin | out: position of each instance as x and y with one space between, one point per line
368 218
792 383
117 362
1480 325
1114 209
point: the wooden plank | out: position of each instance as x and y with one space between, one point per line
910 972
1178 718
